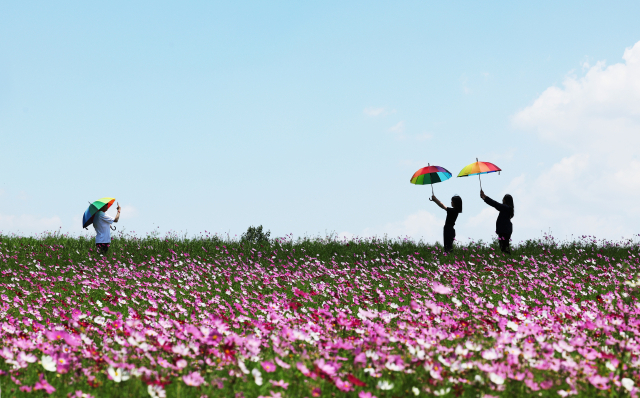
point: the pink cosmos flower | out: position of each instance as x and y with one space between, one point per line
440 288
364 394
316 392
547 384
268 366
280 383
62 363
343 385
193 379
327 367
181 363
79 394
303 369
43 384
72 340
599 382
54 335
282 363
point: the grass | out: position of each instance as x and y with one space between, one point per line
317 289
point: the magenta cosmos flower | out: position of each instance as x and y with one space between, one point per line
193 379
268 366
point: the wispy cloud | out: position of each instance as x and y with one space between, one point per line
420 225
29 223
399 131
398 128
377 111
464 80
423 137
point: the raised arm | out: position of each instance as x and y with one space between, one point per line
496 205
117 215
433 198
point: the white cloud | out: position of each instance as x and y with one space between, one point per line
372 111
421 225
595 187
129 211
398 128
486 217
598 112
464 80
28 223
423 137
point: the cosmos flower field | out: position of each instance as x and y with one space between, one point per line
207 317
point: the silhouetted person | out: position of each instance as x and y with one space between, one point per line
504 228
449 233
101 223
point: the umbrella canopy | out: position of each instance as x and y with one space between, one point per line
430 175
478 168
94 207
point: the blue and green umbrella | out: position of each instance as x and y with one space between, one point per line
95 207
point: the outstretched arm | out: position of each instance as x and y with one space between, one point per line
117 215
496 205
433 198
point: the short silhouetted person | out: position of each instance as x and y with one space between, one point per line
504 228
449 233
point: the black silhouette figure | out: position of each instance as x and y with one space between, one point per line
504 228
449 233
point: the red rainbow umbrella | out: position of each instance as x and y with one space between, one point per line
430 175
478 168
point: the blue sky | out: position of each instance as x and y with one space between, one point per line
310 117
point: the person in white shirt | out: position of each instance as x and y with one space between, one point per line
101 222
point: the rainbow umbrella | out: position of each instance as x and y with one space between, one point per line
478 168
430 175
94 207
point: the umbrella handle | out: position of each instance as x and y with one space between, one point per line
113 228
480 182
432 194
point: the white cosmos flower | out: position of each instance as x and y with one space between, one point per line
415 391
512 325
257 376
393 366
496 378
472 346
156 391
442 391
48 363
627 383
117 374
385 385
243 367
490 354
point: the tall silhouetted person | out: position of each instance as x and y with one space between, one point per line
504 228
449 233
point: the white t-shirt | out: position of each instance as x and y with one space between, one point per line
101 223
